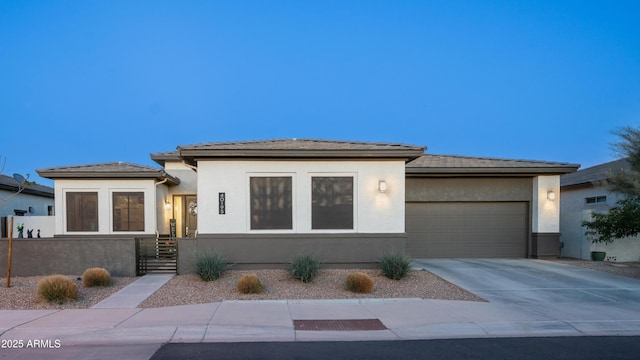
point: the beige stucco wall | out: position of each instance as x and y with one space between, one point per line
374 212
188 178
545 213
188 186
105 188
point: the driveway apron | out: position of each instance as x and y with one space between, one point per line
527 281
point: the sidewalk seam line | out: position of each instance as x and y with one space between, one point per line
132 315
206 330
30 321
295 333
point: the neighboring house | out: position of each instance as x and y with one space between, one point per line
34 200
263 202
584 192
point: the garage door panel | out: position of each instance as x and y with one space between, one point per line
467 229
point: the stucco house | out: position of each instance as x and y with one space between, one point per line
262 202
584 192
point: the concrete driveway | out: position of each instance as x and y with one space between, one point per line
526 281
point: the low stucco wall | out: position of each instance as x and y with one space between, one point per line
620 250
68 256
277 250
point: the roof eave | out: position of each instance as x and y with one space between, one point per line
299 153
162 158
490 171
160 175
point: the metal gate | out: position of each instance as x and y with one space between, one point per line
159 255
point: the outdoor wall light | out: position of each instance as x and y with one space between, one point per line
382 186
167 205
551 195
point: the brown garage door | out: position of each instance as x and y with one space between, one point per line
467 229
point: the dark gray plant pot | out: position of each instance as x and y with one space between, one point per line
598 255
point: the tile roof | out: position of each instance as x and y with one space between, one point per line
162 157
301 148
450 164
110 170
11 184
594 174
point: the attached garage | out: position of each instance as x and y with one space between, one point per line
467 229
471 207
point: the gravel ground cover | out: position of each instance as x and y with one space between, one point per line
22 294
329 284
189 289
629 269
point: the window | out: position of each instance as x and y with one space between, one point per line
82 211
128 211
332 202
596 199
271 203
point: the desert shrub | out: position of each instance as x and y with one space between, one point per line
304 267
250 284
57 289
359 282
96 277
395 265
210 266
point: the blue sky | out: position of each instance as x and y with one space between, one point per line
95 81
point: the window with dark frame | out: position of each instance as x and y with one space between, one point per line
271 202
596 199
128 211
82 211
332 203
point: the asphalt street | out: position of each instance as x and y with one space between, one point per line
569 348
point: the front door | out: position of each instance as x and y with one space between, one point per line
186 215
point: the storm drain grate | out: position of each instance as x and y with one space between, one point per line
339 325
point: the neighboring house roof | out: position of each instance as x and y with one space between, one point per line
593 175
430 164
112 170
300 148
10 184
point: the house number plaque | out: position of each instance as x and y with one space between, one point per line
221 203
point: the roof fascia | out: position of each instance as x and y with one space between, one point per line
300 153
491 171
86 175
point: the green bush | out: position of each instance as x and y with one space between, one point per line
57 289
96 277
304 267
359 282
395 265
250 284
210 266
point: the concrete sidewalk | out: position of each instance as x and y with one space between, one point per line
135 293
241 321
